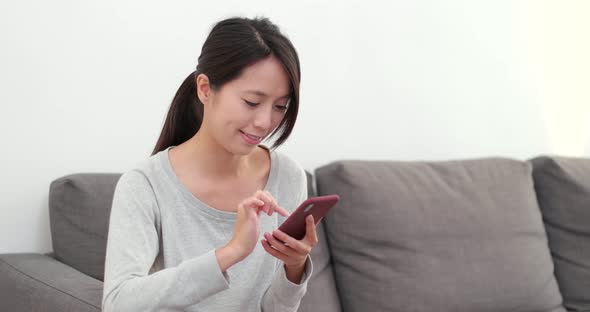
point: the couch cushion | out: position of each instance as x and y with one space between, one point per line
438 236
321 295
563 191
79 210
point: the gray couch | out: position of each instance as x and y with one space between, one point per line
490 234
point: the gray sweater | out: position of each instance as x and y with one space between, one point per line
162 240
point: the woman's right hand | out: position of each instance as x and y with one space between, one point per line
247 228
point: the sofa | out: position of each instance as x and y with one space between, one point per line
488 234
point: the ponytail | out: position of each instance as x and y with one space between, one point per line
184 116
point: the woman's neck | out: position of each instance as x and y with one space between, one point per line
202 154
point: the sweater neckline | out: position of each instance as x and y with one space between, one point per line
195 201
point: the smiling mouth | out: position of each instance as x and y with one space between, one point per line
253 137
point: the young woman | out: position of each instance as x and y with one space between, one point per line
193 227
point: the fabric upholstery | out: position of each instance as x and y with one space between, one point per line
79 210
34 282
438 236
563 190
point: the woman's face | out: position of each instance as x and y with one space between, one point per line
245 110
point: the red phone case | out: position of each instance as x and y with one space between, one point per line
318 206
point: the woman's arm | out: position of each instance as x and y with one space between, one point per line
295 272
290 281
284 295
132 247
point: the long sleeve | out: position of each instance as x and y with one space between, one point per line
132 248
282 294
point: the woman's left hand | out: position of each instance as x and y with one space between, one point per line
292 252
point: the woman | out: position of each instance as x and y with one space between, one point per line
192 227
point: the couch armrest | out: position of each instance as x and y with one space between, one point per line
35 282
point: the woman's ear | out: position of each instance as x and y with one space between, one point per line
204 91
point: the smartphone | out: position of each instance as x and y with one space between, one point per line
318 206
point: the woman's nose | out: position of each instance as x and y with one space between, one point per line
263 118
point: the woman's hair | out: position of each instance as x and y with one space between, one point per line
232 45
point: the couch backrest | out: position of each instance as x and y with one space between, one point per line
438 236
563 188
464 191
79 210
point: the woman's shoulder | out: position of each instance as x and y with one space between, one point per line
290 181
291 176
143 172
287 165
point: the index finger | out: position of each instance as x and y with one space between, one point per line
282 211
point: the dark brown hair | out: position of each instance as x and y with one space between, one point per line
232 45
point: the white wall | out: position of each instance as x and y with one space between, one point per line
85 85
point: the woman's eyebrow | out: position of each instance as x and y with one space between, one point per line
260 93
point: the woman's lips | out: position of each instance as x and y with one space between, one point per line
251 139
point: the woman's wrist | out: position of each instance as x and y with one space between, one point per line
295 272
227 256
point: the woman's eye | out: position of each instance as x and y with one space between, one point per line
251 104
279 107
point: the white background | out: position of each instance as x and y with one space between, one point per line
85 85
